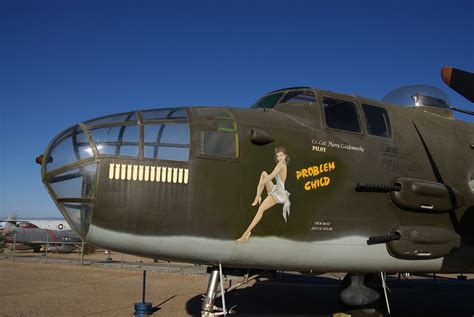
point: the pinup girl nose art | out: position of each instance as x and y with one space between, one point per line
276 192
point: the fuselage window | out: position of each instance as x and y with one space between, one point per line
167 141
341 114
117 140
222 142
377 121
217 143
299 97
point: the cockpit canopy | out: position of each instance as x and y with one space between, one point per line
287 95
407 96
165 136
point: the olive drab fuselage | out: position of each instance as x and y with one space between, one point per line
404 176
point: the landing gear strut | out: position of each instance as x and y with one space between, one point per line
208 309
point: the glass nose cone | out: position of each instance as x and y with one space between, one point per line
79 217
69 174
68 147
73 192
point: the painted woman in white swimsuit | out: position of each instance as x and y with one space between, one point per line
276 193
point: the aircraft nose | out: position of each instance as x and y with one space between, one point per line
69 169
79 163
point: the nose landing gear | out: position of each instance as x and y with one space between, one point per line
365 290
208 309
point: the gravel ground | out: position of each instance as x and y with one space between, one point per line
33 288
62 290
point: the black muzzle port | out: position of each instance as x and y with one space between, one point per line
394 236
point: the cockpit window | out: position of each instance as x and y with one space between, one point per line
213 112
72 146
158 133
377 121
157 114
268 101
77 183
299 97
119 140
292 96
167 141
341 114
115 118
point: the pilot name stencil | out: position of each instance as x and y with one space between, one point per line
314 172
322 145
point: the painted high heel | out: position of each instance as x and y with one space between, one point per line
257 202
244 237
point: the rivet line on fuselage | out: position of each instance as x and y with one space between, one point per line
147 173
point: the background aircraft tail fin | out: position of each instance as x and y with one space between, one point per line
10 222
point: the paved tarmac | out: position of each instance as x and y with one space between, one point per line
32 288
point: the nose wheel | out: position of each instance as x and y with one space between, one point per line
365 290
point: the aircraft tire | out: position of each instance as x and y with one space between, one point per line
372 281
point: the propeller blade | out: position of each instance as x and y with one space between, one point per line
459 80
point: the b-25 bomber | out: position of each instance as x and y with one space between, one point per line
304 180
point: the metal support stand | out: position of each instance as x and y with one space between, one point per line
82 253
47 247
14 246
385 288
208 309
109 256
143 308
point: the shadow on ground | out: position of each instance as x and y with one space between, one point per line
290 295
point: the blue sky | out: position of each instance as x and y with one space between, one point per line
62 62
